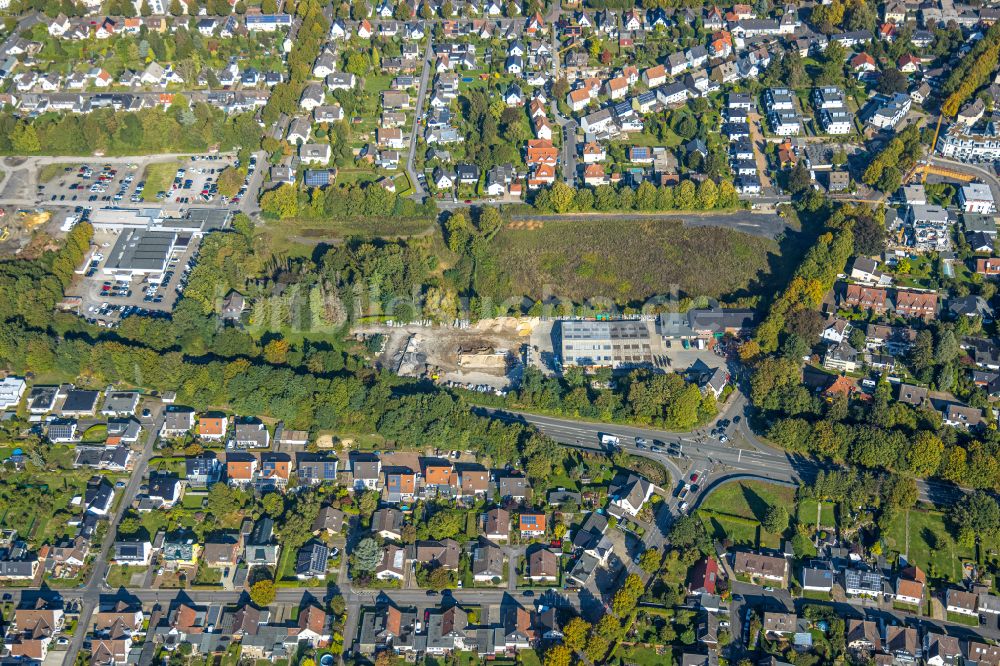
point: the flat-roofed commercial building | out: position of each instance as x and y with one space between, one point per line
606 343
193 221
140 252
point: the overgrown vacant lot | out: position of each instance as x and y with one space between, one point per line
630 260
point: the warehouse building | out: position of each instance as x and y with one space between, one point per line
140 252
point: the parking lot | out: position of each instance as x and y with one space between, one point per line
192 180
195 181
105 299
91 184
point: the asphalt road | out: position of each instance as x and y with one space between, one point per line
91 593
418 189
704 453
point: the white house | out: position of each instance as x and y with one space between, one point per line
976 198
631 495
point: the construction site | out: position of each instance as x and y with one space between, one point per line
19 232
487 355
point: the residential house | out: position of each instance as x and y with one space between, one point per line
496 524
629 494
941 650
311 561
251 434
863 635
487 562
213 426
862 583
903 643
759 565
388 523
865 298
543 566
532 525
776 625
444 553
393 563
910 586
913 304
241 468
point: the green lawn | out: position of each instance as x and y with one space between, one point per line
644 656
529 658
232 655
50 171
95 433
750 499
931 546
963 619
168 465
158 176
806 513
828 517
376 83
286 564
193 500
299 237
738 532
120 575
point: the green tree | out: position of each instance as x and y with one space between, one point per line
799 180
708 195
282 202
262 593
649 561
129 525
575 633
25 140
775 519
368 503
367 555
230 182
274 504
561 197
337 605
558 655
627 597
924 457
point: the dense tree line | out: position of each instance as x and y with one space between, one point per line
188 51
887 169
811 280
178 128
343 201
972 72
842 16
878 434
663 400
706 195
308 40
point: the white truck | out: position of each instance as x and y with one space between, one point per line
610 442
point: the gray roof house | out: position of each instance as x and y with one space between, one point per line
120 403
